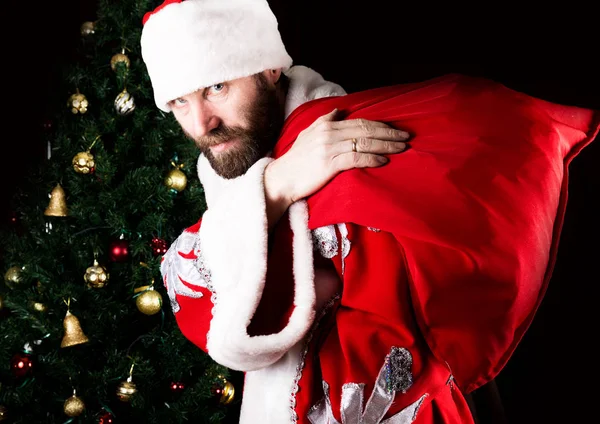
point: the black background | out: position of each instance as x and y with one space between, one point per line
547 52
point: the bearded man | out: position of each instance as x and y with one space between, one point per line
382 294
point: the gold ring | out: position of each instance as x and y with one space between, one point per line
354 145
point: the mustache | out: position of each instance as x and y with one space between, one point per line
219 135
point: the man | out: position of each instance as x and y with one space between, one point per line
243 282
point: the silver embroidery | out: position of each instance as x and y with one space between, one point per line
398 366
352 402
300 366
325 241
375 230
408 414
200 265
171 267
345 244
395 375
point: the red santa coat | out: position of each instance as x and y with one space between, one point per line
426 301
362 359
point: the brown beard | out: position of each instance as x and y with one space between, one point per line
265 120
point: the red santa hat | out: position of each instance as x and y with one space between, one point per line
191 44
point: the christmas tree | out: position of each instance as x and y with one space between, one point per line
88 335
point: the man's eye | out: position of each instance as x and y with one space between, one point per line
217 87
179 101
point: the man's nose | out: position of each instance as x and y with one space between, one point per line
204 118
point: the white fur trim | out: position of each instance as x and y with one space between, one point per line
270 393
234 236
307 84
197 43
267 391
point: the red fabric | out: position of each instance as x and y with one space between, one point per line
194 316
447 406
277 300
476 205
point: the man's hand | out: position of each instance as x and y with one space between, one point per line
323 150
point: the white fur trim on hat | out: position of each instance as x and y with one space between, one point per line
191 44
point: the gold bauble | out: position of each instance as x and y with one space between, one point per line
3 413
176 180
224 390
78 103
96 276
1 303
73 333
126 390
124 103
74 406
58 203
149 302
88 28
119 58
228 393
84 163
13 276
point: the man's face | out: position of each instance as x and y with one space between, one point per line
234 124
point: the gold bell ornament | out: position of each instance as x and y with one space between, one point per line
73 333
58 203
13 276
119 58
149 301
96 276
176 179
78 103
88 28
124 103
3 413
74 406
127 389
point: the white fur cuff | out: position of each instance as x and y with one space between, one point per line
234 237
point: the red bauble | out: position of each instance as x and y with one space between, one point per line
159 246
119 250
15 223
47 124
177 386
21 365
106 418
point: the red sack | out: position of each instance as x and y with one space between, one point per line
476 204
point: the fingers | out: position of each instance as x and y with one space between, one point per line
359 128
368 145
371 132
364 128
357 160
359 122
358 141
